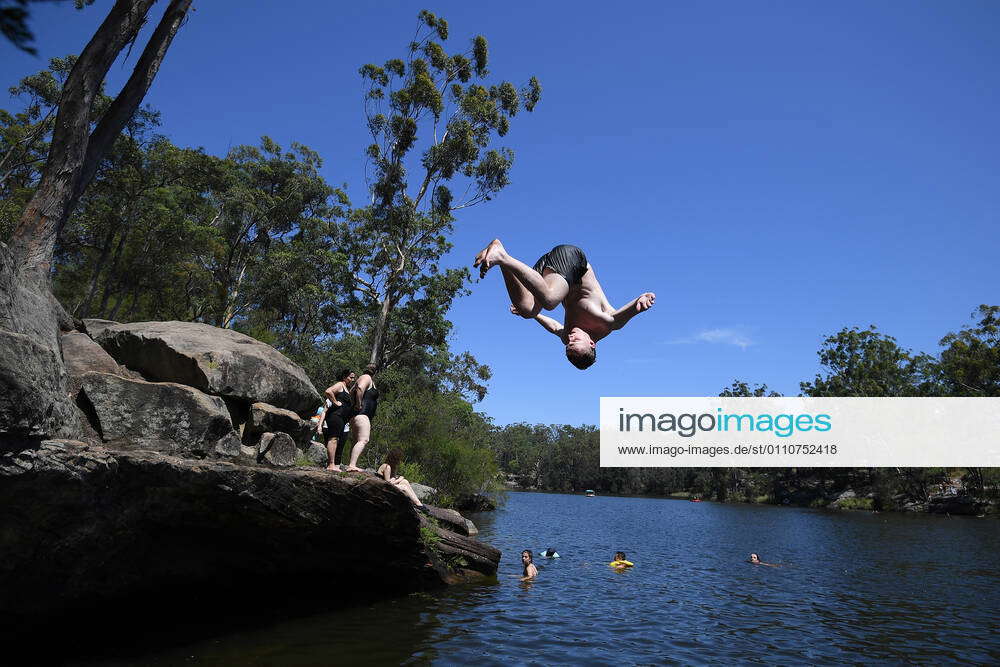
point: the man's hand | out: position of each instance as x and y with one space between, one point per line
645 302
642 302
515 310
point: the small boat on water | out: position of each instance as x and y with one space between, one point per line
590 493
695 500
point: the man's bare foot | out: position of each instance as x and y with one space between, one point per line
489 256
334 468
353 469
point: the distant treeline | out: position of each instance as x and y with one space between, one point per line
856 362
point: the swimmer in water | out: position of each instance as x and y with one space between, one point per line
549 553
755 559
530 571
620 562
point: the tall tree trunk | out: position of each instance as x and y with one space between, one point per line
378 339
33 398
83 308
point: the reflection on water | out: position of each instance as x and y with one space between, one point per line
851 587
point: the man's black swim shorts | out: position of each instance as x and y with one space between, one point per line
566 260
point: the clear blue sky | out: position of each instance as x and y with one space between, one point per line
774 171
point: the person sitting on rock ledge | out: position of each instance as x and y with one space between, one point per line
388 470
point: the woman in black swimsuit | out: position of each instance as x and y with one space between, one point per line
337 415
366 398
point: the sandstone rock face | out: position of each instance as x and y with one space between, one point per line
453 521
34 396
161 416
87 529
277 449
267 418
317 453
33 382
82 355
94 327
425 493
475 502
216 361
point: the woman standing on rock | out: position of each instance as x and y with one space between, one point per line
366 400
339 412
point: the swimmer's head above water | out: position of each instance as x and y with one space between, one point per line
526 557
754 558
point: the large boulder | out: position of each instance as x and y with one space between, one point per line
453 521
266 418
425 493
33 382
217 361
82 355
34 398
88 531
160 416
278 449
94 327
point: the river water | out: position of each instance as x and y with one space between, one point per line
852 587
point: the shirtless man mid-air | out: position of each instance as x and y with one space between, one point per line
564 276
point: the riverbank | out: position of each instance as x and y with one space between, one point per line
949 500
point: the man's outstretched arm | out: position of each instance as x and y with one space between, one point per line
550 324
632 308
547 322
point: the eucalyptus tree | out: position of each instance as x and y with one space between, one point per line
434 115
31 370
129 250
865 362
25 134
268 201
970 360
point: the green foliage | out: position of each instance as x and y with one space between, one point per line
970 362
864 362
426 114
440 432
742 389
430 538
856 503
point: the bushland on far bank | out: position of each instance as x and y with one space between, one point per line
856 362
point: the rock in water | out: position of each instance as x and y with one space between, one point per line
217 361
161 416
